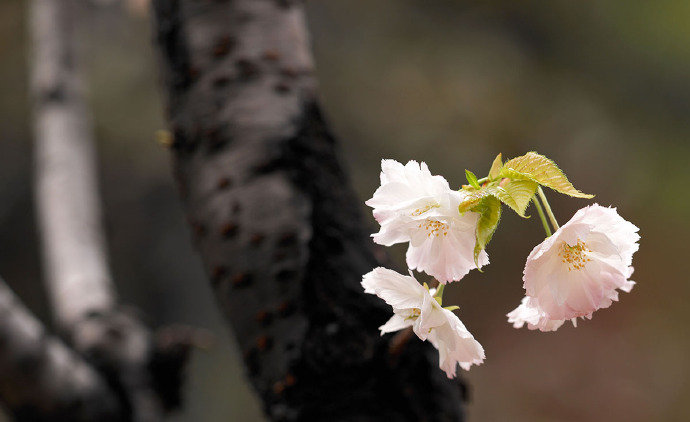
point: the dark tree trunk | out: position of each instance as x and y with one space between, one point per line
277 223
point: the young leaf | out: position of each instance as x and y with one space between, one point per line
474 196
489 209
537 168
472 179
517 194
496 167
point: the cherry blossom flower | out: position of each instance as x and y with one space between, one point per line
414 306
529 313
579 269
412 205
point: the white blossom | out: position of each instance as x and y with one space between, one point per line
414 306
580 267
412 205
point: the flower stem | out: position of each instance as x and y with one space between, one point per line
554 223
540 210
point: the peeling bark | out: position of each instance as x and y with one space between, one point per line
277 223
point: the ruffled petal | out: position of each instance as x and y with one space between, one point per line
397 290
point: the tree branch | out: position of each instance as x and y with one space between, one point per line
67 199
78 277
277 223
41 379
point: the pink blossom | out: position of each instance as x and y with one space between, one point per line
579 268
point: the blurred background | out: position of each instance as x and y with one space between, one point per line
603 88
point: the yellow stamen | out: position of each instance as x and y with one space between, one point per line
575 257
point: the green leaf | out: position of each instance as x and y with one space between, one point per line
496 167
451 308
489 209
537 168
517 194
514 193
472 179
473 198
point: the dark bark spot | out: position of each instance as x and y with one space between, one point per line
282 88
264 343
55 94
229 230
265 167
289 72
287 240
115 334
223 46
247 69
271 55
279 256
221 82
217 274
264 318
290 380
287 308
278 387
224 183
215 139
211 133
193 73
257 239
284 4
236 208
241 280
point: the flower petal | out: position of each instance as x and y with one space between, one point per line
396 323
399 291
456 345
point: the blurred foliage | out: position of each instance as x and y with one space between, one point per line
602 88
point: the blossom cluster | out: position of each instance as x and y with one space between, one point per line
574 272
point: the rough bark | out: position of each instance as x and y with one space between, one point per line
78 278
277 223
41 379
